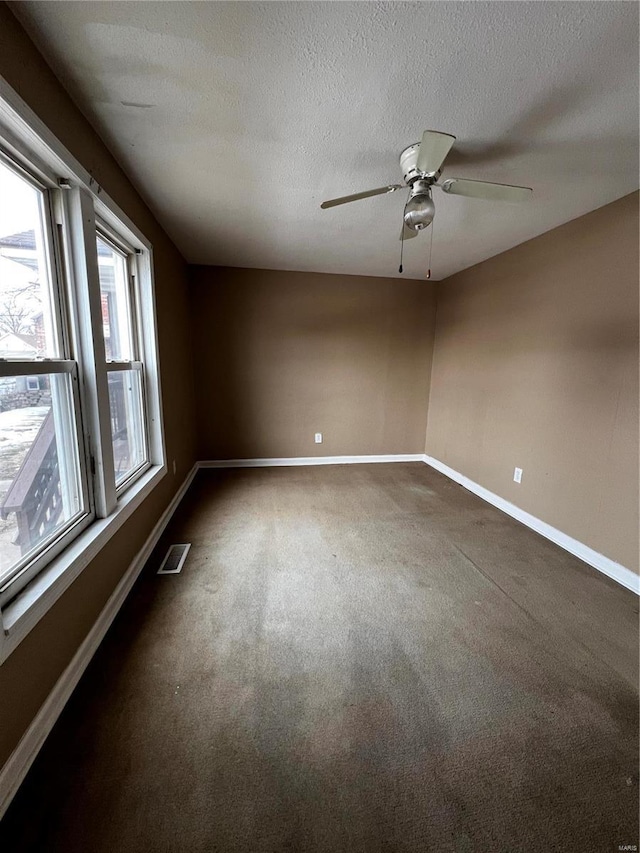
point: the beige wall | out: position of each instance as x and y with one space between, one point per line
536 366
283 355
31 671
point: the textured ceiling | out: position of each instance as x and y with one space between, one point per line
236 120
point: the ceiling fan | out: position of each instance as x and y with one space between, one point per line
421 166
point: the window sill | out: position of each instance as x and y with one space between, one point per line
25 611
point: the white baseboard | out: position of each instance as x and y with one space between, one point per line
284 461
598 561
23 756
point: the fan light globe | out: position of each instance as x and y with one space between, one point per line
419 212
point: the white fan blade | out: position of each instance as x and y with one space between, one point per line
345 199
433 149
408 233
486 190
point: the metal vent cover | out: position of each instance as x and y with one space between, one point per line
174 561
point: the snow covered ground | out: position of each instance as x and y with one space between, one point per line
18 429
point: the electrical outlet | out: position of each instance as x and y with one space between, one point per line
517 475
318 438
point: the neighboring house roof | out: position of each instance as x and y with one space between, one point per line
21 240
31 340
14 272
20 248
15 342
27 240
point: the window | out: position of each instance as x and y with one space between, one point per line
43 486
81 441
125 375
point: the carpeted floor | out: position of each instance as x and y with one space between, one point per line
359 658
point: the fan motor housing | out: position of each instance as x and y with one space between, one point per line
410 173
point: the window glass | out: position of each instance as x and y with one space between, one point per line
27 326
114 296
127 423
40 489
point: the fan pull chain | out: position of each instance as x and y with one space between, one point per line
430 247
402 232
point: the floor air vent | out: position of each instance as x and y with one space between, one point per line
174 561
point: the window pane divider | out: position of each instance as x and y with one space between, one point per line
124 365
32 564
33 367
133 476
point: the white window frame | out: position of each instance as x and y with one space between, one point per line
31 565
136 324
137 472
61 362
80 208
